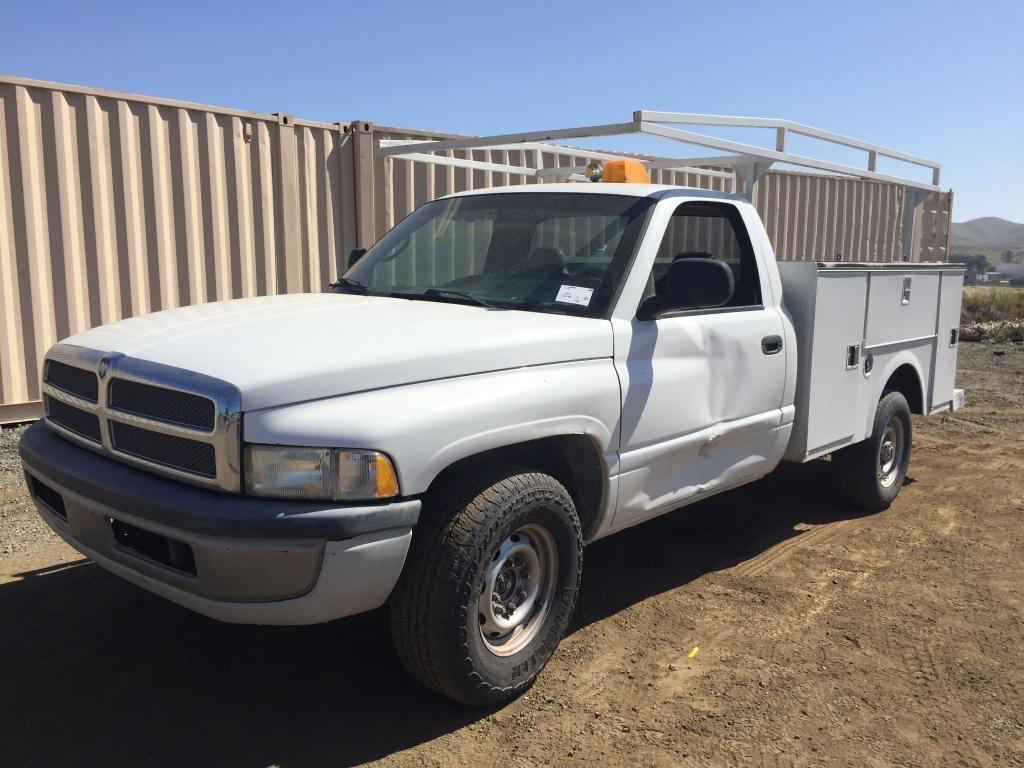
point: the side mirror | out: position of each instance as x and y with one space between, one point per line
356 255
690 284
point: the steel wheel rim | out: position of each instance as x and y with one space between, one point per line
890 452
517 589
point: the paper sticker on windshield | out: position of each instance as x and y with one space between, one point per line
574 294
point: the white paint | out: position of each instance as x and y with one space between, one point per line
427 426
835 307
287 349
678 408
651 124
703 408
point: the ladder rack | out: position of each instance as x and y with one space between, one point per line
744 161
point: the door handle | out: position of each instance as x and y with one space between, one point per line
771 345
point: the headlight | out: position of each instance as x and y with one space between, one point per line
318 473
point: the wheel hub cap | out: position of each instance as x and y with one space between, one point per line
515 595
890 452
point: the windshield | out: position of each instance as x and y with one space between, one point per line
545 252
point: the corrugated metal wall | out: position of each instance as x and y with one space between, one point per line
808 216
400 186
113 205
936 213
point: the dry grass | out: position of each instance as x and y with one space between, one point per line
983 305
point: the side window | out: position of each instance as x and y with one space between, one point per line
711 231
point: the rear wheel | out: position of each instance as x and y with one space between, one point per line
489 585
870 473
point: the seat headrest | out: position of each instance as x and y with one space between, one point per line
545 257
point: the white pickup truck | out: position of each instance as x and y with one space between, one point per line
505 376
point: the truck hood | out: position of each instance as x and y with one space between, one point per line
287 349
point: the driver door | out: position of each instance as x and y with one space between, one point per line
702 389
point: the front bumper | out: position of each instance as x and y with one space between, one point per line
246 560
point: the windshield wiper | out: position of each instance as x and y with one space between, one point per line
434 294
349 285
439 292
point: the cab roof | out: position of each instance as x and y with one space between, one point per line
591 188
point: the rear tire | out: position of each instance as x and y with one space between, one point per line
869 474
489 584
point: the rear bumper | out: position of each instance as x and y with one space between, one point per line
959 401
248 560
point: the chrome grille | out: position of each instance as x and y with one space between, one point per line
172 422
169 450
172 406
82 423
76 381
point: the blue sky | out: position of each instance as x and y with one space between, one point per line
944 80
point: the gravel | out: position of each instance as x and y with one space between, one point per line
21 529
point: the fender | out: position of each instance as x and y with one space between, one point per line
885 365
427 427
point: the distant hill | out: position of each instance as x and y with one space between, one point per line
986 232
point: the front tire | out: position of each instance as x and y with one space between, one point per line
869 474
489 584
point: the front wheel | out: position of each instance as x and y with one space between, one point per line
870 473
489 585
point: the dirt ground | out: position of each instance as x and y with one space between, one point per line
824 637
